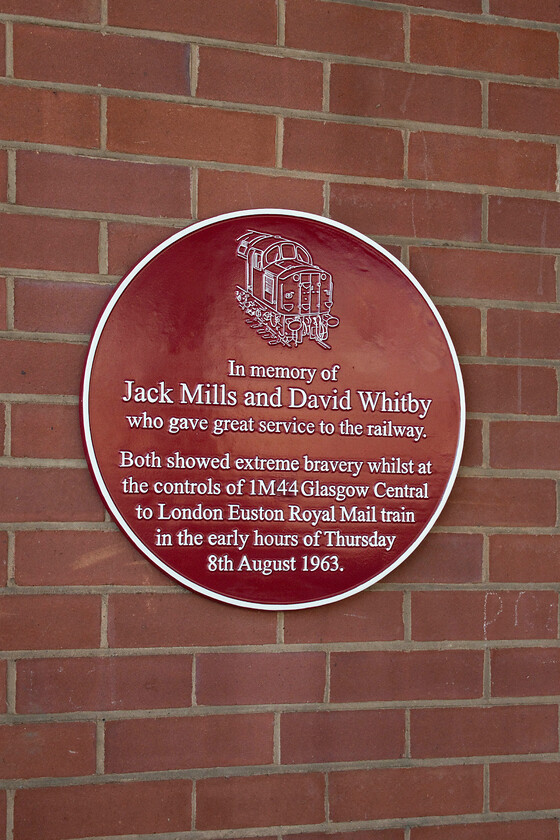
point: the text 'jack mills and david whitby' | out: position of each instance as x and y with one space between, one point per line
218 394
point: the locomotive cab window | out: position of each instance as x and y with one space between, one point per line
273 256
292 251
288 251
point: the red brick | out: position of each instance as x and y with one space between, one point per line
3 686
464 325
36 367
322 737
46 431
491 48
530 109
82 11
228 679
51 307
235 76
493 730
518 830
98 59
50 622
510 389
128 243
524 221
372 834
472 6
482 160
4 434
47 749
546 10
524 445
3 563
369 616
368 676
106 186
392 94
175 620
221 192
443 558
533 786
3 173
385 211
232 20
405 792
454 272
103 683
344 29
445 616
176 743
472 450
345 149
501 501
3 304
49 244
113 808
3 705
3 814
81 558
170 129
259 801
393 248
516 333
36 115
525 672
525 558
48 495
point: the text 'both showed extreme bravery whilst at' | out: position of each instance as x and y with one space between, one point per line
292 472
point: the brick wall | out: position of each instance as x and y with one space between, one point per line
425 709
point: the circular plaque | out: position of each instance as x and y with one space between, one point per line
272 409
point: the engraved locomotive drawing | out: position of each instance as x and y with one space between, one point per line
286 297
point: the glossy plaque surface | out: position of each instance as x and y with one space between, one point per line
273 411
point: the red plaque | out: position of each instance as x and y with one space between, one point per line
273 410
